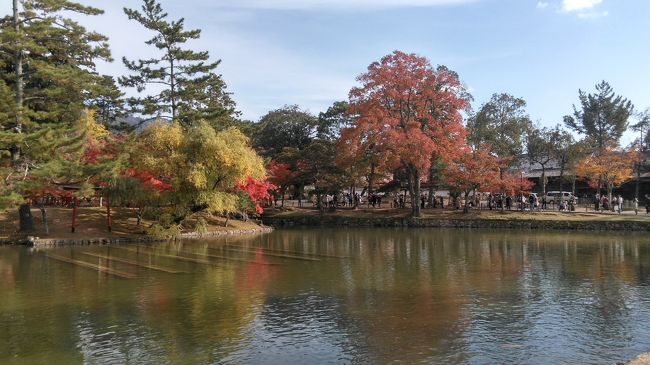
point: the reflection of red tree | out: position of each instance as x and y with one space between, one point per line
255 276
155 300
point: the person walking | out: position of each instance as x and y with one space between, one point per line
635 203
619 201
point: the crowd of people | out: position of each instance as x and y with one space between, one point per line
490 201
602 204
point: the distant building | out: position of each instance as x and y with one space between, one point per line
533 172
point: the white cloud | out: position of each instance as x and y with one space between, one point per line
334 4
593 14
542 5
579 5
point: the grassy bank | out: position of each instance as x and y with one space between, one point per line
371 213
91 224
480 219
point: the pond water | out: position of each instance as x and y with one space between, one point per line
314 296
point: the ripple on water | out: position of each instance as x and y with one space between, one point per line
427 296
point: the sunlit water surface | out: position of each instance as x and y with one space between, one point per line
332 296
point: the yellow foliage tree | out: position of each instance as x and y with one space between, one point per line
608 170
202 164
88 124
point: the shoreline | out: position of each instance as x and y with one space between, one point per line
478 220
91 228
33 241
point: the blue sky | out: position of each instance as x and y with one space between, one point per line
277 52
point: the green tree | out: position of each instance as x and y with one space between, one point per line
501 123
641 145
48 61
567 152
109 104
287 127
643 128
47 66
602 117
320 167
333 120
207 98
190 89
540 146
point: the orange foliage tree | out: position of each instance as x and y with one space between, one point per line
410 113
607 170
281 175
474 169
512 183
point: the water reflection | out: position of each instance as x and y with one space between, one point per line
321 296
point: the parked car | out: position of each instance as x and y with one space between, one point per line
555 197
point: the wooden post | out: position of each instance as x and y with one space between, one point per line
74 214
109 219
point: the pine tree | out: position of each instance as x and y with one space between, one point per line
109 103
602 117
191 90
47 66
49 62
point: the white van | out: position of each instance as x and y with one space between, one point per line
555 197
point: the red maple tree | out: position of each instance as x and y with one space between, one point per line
472 170
512 183
411 113
148 180
257 190
281 175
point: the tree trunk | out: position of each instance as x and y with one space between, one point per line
46 227
600 183
543 181
638 180
573 185
172 87
355 202
432 191
414 190
609 195
26 219
74 215
371 179
109 218
18 60
139 213
466 206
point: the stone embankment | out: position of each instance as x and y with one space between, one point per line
343 221
48 242
643 359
